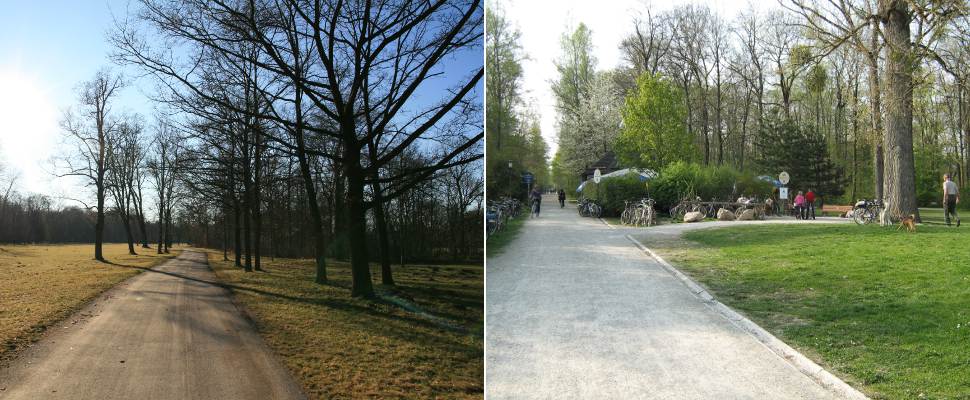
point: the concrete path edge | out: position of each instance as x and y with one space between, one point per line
793 357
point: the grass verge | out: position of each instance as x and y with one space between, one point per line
342 347
496 243
888 311
43 284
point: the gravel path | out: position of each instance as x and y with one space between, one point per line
168 333
575 310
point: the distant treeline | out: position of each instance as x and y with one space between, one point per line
35 219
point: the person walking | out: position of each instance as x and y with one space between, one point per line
951 196
536 198
810 204
800 205
562 198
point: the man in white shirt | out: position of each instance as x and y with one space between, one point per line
951 196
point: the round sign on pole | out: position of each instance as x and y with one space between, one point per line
596 175
783 178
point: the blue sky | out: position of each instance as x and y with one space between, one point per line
48 47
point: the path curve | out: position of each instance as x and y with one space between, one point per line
575 310
167 333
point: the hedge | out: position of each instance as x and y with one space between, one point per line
676 181
612 192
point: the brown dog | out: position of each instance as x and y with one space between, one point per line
909 222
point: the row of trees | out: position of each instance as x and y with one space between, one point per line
514 141
323 128
350 99
860 80
107 152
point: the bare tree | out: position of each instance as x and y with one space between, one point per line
90 131
356 67
162 164
123 161
649 44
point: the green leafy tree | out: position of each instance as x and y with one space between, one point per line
513 140
588 104
654 133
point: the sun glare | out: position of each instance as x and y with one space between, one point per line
28 123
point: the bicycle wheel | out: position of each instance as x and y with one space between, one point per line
702 209
871 215
677 213
858 216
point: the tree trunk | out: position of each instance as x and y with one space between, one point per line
356 219
380 223
99 226
900 176
875 105
168 230
316 219
339 215
143 230
255 206
225 235
237 228
126 222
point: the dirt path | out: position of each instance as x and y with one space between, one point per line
576 310
169 333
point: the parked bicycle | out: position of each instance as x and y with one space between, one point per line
589 208
866 211
638 213
687 205
499 212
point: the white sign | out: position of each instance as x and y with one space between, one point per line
596 175
783 193
783 178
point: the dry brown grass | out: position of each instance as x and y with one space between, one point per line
341 347
42 284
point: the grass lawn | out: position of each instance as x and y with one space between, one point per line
888 311
342 347
496 243
42 284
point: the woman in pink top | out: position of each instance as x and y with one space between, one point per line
800 204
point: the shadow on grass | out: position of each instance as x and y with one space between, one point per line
347 305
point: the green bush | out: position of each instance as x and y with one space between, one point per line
675 182
679 180
612 192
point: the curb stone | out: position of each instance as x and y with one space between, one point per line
793 357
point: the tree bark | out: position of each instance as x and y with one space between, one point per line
356 219
380 223
875 105
900 177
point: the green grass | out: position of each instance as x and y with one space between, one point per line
888 311
341 347
43 284
495 244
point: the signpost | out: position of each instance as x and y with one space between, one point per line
783 190
527 179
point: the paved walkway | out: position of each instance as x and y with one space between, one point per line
575 310
165 334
